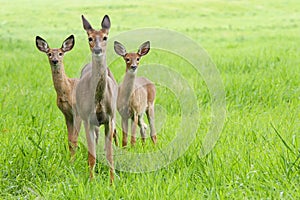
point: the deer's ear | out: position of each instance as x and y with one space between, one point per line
68 44
105 22
119 49
144 48
41 44
86 25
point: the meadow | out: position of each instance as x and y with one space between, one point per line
255 48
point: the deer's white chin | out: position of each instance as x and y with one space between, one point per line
56 67
133 71
98 54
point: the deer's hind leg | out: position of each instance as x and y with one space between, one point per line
143 127
151 120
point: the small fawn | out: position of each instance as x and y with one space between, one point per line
64 86
136 95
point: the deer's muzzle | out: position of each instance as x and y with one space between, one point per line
133 67
97 51
54 62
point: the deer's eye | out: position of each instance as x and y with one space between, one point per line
104 38
138 59
49 54
127 59
60 54
90 39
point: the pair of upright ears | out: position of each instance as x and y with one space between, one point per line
121 50
105 24
43 46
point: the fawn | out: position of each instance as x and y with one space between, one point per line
135 95
64 86
96 95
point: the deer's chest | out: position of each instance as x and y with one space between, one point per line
64 104
101 113
138 101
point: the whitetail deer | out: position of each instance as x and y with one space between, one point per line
136 95
96 95
64 86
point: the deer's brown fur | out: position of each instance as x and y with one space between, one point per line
136 95
96 94
64 87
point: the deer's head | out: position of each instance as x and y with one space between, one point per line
55 56
132 59
97 38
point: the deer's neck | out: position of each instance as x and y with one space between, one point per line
60 80
99 76
126 88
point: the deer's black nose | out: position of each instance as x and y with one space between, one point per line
97 50
133 67
54 62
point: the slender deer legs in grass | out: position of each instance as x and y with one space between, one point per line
96 94
64 86
135 95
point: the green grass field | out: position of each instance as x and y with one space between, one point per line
255 47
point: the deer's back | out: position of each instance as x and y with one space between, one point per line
149 87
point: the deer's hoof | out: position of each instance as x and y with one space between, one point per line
153 138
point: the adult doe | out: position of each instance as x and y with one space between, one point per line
96 95
64 86
135 95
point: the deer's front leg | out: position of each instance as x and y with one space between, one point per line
109 132
133 129
72 137
143 128
91 141
124 131
115 133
